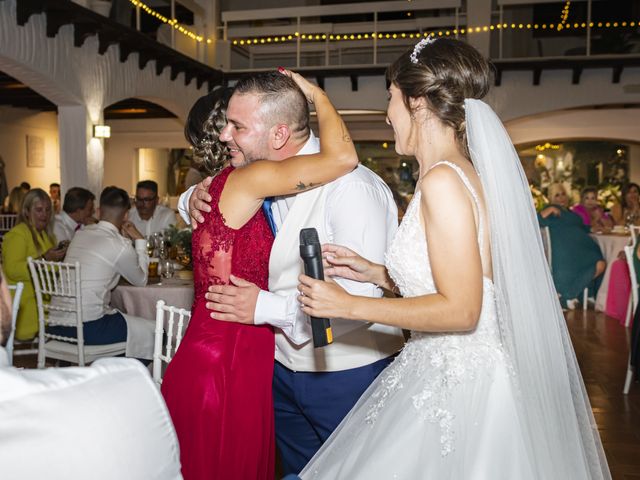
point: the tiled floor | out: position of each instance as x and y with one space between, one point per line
601 346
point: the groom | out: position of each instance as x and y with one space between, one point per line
313 388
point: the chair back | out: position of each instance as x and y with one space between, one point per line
61 283
171 320
629 252
7 222
546 245
16 290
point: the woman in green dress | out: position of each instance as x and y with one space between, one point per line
577 261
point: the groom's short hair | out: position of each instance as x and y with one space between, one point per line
282 100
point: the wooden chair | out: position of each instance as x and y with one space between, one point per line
164 355
61 281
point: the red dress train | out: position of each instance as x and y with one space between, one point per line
218 385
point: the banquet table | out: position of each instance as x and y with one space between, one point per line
610 244
141 301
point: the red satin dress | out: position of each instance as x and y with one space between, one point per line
218 385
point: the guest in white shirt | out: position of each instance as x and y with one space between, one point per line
101 422
105 254
147 215
77 211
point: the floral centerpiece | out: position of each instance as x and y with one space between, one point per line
180 239
609 195
539 200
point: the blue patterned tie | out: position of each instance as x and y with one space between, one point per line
266 208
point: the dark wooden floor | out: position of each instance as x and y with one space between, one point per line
601 345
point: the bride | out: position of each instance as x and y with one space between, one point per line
487 387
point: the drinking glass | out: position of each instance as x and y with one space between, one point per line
167 268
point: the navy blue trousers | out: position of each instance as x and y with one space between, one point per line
111 328
310 405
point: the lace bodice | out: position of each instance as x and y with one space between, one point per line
219 250
441 360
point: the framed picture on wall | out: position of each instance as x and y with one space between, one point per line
35 151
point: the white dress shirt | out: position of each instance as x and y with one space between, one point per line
101 422
162 217
104 256
65 227
359 213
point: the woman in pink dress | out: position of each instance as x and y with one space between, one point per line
592 214
218 386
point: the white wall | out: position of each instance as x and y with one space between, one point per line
121 166
15 125
152 165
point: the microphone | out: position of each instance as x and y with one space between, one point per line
311 254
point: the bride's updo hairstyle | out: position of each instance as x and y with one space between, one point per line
444 71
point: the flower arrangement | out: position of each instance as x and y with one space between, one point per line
181 240
609 195
539 200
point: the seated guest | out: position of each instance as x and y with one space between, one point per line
592 214
577 260
102 422
628 211
105 253
54 193
13 202
25 186
76 212
31 237
148 216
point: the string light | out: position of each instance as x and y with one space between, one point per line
171 22
564 16
391 36
547 146
468 30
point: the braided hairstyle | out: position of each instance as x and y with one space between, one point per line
445 73
206 120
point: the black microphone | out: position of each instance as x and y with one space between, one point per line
311 254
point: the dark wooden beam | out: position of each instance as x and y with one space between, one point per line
617 73
576 74
26 8
105 40
497 77
537 73
82 31
55 20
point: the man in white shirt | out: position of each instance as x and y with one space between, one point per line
77 211
313 388
101 422
147 216
105 255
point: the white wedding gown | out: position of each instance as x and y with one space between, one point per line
446 407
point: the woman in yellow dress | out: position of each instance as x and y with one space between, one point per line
31 237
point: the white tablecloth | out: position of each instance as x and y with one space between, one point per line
610 245
141 301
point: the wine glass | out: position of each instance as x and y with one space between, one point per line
167 268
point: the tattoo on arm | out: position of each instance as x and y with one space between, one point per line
303 186
345 133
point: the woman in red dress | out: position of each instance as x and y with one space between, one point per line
218 385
